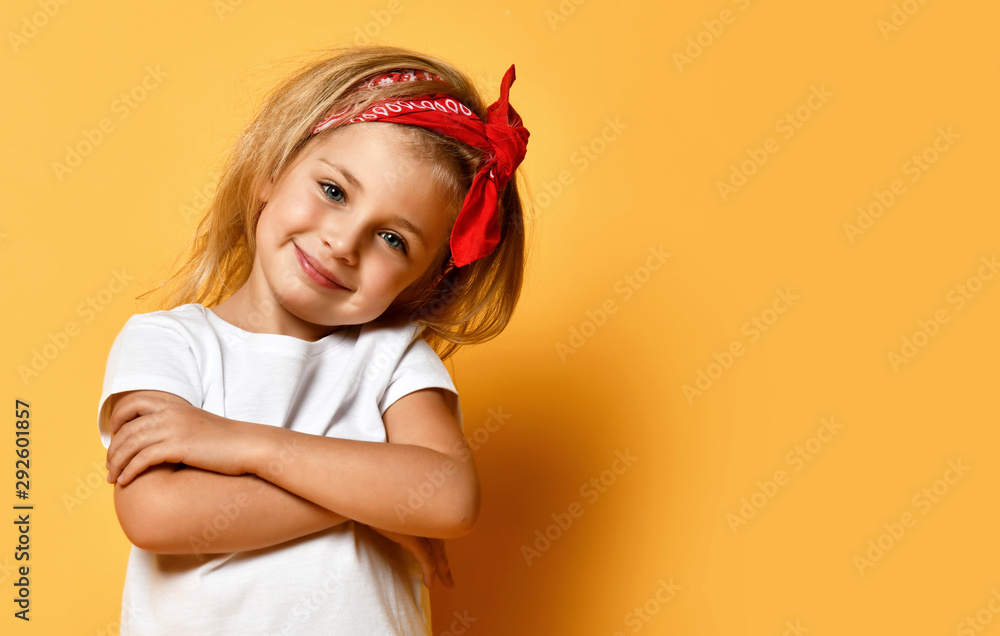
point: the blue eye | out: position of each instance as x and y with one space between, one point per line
394 241
333 192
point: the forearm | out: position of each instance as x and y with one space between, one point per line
403 488
423 482
190 511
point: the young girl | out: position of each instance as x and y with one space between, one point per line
285 436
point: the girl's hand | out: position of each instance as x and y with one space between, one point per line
429 553
149 428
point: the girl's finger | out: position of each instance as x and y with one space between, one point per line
120 452
421 549
126 409
441 563
128 443
149 456
130 407
118 438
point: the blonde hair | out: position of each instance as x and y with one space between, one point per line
469 305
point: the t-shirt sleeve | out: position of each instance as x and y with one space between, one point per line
419 368
152 352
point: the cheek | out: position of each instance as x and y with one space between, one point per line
272 249
293 209
272 217
386 277
263 231
388 280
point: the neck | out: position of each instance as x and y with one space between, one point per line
266 315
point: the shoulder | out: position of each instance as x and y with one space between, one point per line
167 333
182 332
162 351
392 344
184 317
405 363
187 323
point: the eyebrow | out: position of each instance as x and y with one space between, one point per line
348 176
410 227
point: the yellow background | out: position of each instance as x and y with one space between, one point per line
599 353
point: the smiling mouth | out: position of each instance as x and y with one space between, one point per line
320 276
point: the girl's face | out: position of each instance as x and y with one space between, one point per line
353 222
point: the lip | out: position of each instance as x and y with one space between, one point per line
317 272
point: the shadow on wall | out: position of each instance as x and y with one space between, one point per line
545 457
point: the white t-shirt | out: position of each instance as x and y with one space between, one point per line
345 580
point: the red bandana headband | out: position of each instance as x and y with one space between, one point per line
502 137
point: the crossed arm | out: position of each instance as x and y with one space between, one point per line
245 486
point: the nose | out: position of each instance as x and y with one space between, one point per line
342 236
